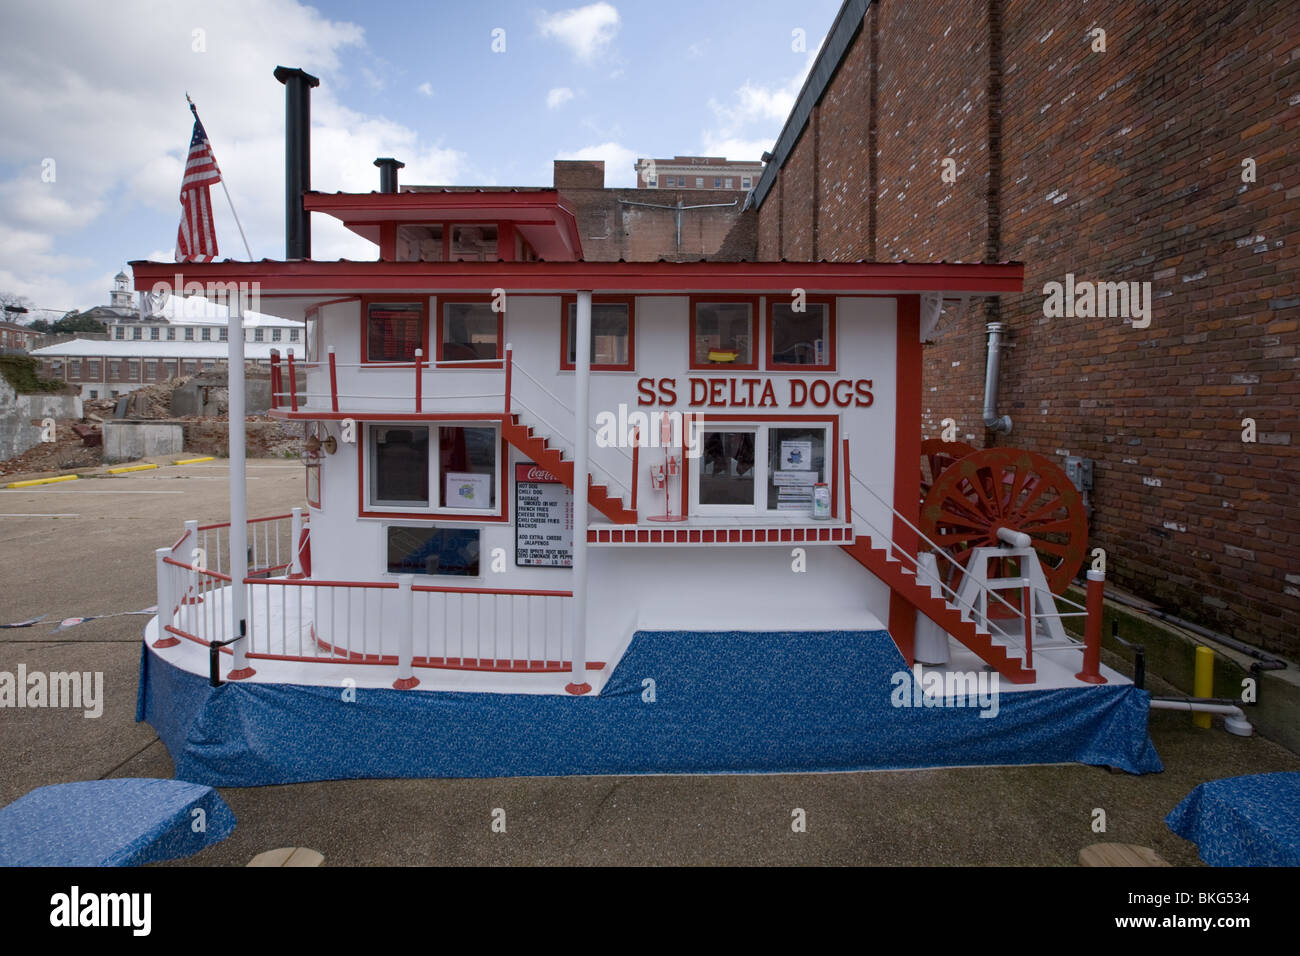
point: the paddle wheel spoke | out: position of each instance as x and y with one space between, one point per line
1006 488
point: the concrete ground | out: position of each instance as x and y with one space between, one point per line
86 548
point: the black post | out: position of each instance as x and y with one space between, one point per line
388 168
297 159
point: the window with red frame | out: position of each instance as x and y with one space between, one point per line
469 331
801 338
723 334
394 330
611 336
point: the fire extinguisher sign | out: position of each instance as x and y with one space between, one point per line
543 519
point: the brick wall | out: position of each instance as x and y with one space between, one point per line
1122 165
611 230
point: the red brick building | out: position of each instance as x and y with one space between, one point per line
644 225
1124 141
697 172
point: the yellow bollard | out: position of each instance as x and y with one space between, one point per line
1203 681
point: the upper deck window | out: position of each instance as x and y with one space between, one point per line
420 243
723 333
470 331
801 338
393 331
612 335
474 243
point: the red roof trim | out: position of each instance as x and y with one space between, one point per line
520 277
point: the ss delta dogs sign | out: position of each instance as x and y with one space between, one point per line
543 519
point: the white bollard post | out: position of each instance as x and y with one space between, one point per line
405 633
165 604
581 417
295 534
238 539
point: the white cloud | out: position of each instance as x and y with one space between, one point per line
117 124
558 96
749 124
425 89
620 162
587 31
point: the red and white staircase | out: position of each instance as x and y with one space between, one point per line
957 622
540 450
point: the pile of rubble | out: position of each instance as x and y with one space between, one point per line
78 442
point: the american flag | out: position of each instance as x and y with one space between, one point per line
196 240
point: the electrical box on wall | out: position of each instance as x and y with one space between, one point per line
1079 471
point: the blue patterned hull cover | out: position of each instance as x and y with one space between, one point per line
1243 821
123 822
722 703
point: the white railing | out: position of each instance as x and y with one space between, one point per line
558 434
397 623
968 610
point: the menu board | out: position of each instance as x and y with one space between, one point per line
543 519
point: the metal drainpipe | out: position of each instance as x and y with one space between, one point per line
992 420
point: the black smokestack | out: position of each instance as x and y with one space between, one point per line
297 158
388 168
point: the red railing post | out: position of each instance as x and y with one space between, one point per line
1027 606
510 367
1091 673
293 385
334 382
419 380
275 378
848 486
636 467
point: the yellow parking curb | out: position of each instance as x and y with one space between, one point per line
194 461
41 481
118 471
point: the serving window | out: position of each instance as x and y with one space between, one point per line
470 331
440 551
801 337
393 329
613 335
724 333
756 469
452 470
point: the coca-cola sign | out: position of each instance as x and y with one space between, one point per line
527 471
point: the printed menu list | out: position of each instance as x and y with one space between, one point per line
543 519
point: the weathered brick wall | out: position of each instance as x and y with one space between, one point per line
611 230
1122 165
845 131
932 79
799 172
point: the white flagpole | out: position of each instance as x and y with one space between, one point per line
239 225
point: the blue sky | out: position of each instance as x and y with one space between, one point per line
99 89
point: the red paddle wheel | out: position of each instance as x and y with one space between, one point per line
970 499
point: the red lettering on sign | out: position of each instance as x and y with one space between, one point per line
716 387
798 393
668 391
843 392
645 391
863 388
769 394
824 392
699 391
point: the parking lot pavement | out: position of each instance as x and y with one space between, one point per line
96 557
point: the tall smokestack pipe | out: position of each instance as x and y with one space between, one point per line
297 159
388 168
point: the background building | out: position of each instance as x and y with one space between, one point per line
1159 151
697 172
175 337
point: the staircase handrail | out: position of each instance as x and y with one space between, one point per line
956 600
922 535
559 401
